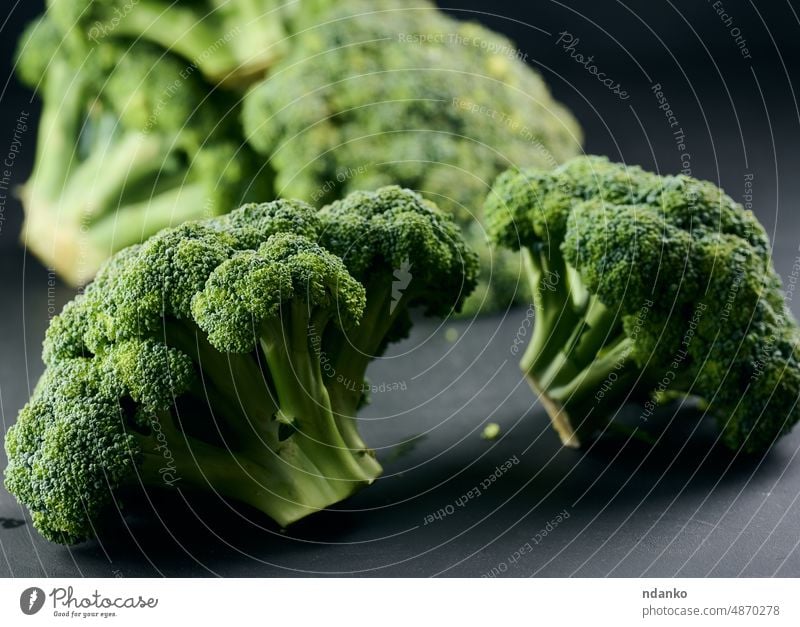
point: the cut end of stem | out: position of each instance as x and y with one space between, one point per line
559 418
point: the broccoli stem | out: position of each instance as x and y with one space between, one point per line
355 349
82 221
286 487
288 478
305 402
579 359
60 124
555 316
62 118
61 214
233 383
185 31
97 184
258 42
134 223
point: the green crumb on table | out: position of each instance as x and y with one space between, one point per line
491 431
451 334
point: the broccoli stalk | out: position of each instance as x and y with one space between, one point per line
232 43
257 397
194 360
285 493
67 202
358 348
647 289
576 345
307 407
263 455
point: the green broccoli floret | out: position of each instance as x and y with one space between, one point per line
381 93
407 254
648 288
195 361
129 143
231 42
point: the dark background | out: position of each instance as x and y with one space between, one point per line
681 507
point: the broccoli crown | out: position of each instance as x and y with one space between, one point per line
195 358
74 442
528 205
407 252
378 232
137 288
235 299
698 265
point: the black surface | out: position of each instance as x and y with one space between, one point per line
680 507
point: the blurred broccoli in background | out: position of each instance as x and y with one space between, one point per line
377 94
154 109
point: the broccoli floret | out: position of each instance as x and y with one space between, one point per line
195 361
407 254
380 93
129 143
232 42
648 288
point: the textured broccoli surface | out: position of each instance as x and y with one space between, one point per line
129 142
228 355
388 92
648 288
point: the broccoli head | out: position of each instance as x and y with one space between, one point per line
385 93
195 360
129 142
648 288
